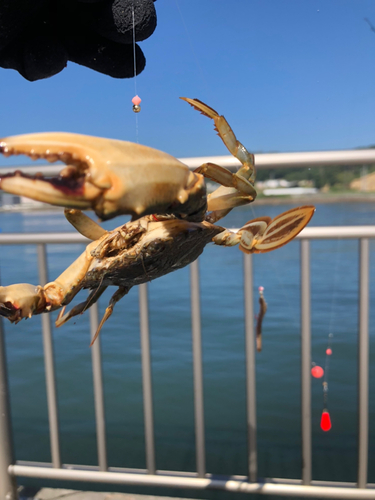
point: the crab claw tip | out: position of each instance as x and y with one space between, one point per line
19 301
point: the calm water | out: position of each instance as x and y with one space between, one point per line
334 273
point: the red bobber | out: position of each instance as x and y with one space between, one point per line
329 351
317 371
325 421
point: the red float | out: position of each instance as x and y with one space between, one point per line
325 421
317 371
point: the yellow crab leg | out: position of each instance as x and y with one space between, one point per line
84 225
234 191
238 188
81 307
227 135
24 300
120 292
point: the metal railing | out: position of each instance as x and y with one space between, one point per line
262 160
9 469
201 479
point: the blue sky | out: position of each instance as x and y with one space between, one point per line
289 75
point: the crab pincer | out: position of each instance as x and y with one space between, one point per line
109 176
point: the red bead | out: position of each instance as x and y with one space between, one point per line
325 421
136 100
317 371
329 351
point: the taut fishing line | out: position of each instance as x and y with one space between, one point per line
316 370
136 99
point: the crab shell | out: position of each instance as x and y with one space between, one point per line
146 249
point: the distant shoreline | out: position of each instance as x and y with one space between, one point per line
317 198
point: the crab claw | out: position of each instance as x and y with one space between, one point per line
109 176
21 301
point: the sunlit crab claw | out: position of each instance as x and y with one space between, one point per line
109 176
25 300
21 301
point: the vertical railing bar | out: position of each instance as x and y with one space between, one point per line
197 370
8 485
250 369
49 365
98 390
147 379
306 362
363 362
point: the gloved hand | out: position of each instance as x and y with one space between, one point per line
39 37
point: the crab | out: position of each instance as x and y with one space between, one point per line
169 229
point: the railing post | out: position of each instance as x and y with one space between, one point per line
147 379
363 362
197 369
250 369
305 362
96 360
49 364
8 486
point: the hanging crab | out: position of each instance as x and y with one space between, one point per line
181 223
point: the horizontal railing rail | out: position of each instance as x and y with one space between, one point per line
201 479
262 161
309 233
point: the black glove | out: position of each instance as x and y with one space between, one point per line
39 37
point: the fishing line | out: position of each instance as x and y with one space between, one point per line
136 99
316 370
134 58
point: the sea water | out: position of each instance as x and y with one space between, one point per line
334 288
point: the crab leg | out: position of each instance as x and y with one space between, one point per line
263 234
120 292
235 190
84 225
238 188
227 135
80 308
25 300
